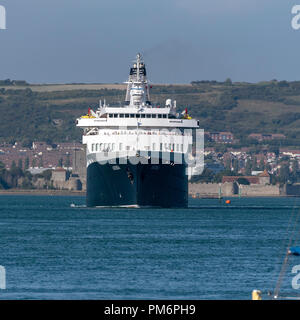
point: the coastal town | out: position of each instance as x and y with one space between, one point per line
263 170
42 166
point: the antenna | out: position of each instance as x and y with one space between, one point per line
138 60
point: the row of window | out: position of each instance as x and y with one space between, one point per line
144 132
175 132
109 147
138 115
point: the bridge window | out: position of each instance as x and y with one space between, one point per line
126 115
132 115
159 115
153 115
148 115
143 116
164 116
116 115
111 115
122 115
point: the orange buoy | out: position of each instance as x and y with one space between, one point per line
227 201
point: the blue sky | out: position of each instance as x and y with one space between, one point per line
53 41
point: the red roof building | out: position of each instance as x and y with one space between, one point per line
262 178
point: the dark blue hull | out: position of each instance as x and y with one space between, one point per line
161 185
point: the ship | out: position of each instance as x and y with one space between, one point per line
137 153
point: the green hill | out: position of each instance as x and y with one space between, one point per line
48 112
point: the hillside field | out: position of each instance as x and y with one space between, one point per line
48 112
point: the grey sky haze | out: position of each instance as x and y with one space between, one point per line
96 40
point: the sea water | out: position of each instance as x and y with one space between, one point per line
53 247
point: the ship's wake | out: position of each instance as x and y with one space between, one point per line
73 205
